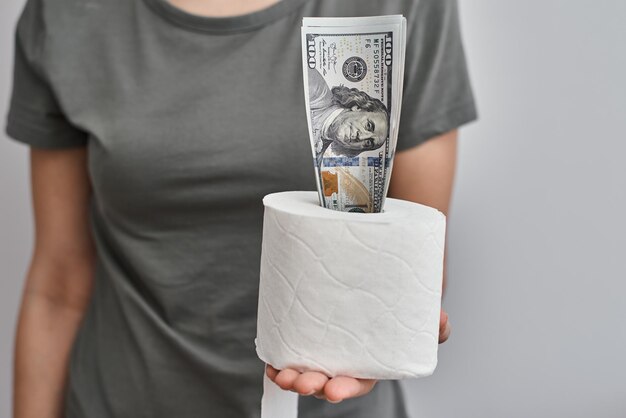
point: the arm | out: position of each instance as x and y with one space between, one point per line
425 174
58 283
422 174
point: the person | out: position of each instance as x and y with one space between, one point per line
155 128
346 119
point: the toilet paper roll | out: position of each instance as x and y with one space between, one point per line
350 293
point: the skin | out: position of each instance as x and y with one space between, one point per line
222 8
59 281
359 130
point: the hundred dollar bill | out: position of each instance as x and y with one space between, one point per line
353 73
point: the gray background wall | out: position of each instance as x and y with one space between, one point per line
537 229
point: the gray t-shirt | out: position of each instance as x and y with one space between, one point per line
189 121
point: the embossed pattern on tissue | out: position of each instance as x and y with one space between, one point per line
372 365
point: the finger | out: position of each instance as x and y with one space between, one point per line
444 329
342 387
285 378
271 372
309 383
445 333
443 319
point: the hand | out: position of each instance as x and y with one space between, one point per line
444 327
333 390
337 388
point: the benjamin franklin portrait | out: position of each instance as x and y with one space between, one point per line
346 120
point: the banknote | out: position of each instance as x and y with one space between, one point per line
353 72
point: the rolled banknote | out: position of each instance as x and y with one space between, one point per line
353 74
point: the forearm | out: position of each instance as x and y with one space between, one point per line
46 330
425 174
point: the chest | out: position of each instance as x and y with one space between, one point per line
195 123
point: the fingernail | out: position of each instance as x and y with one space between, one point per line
310 393
335 401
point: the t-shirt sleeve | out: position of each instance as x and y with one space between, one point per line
35 116
438 96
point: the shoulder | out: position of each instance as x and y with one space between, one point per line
409 8
50 13
61 28
427 10
51 18
421 15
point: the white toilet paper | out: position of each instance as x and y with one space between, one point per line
350 293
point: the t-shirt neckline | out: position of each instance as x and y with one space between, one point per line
224 25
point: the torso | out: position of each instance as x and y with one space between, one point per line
192 121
